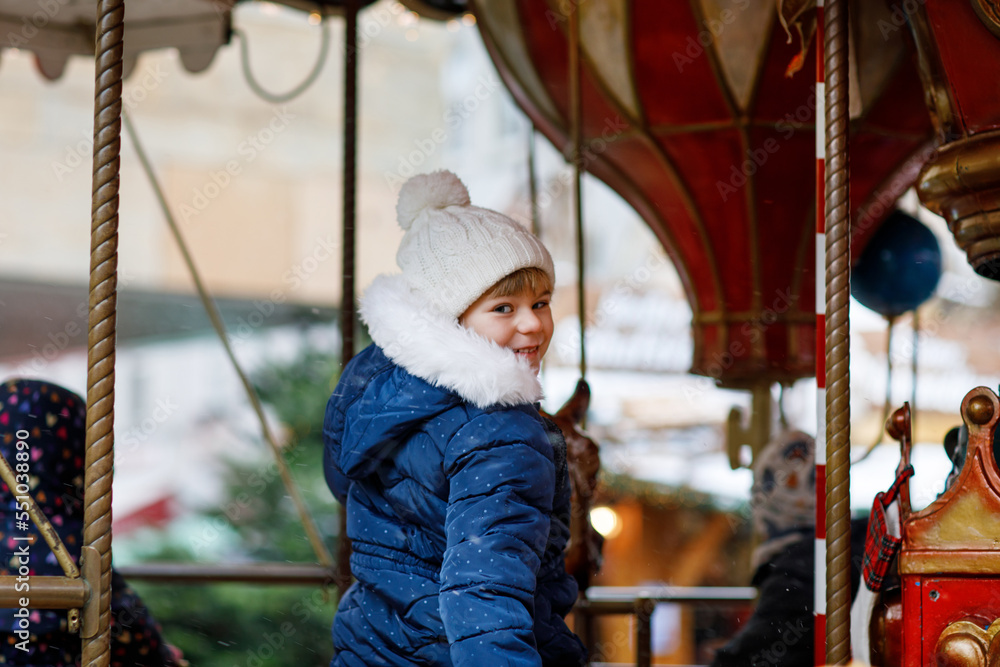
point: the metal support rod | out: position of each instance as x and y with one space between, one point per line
643 632
583 627
576 139
641 601
913 368
44 592
102 320
215 318
838 292
347 288
253 573
49 533
536 215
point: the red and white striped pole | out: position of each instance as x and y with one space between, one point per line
820 565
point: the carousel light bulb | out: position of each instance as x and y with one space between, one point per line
606 521
469 19
315 18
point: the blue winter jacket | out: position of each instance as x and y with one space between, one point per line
457 500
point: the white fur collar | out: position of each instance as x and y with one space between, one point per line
438 349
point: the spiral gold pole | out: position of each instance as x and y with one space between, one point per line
838 339
102 321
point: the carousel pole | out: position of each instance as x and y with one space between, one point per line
576 139
838 338
536 215
347 288
102 320
819 593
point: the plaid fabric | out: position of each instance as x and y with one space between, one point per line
881 545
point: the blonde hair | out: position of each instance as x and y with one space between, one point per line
529 278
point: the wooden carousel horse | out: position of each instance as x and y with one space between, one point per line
583 553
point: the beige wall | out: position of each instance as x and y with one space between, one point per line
256 187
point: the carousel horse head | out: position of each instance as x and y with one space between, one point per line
583 553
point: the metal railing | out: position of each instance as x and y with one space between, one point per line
637 601
641 601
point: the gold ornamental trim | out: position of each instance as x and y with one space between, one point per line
962 183
988 12
968 642
941 563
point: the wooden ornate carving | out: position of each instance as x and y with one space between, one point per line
970 642
949 561
583 553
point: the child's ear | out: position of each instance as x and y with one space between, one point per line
576 407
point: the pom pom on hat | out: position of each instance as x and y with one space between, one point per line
436 190
453 252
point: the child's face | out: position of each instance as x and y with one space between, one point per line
522 323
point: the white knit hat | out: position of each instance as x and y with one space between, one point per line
783 496
453 252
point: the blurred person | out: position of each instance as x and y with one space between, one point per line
54 419
779 632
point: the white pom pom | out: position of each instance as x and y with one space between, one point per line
439 189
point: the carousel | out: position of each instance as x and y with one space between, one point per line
766 144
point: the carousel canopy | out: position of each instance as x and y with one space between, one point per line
54 30
702 115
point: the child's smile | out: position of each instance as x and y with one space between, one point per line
521 322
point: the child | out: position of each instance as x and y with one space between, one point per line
779 633
456 490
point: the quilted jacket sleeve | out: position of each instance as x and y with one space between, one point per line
501 485
333 427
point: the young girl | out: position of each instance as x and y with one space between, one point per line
456 490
